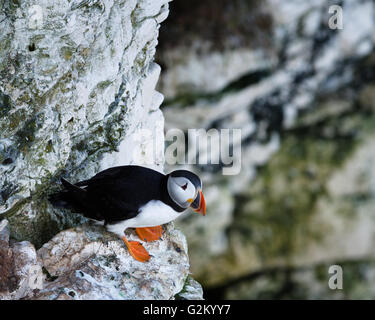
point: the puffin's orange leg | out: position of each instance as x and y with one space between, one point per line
150 233
137 251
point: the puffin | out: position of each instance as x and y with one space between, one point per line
133 197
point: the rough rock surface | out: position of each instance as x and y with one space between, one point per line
192 290
92 264
87 263
304 101
77 95
20 267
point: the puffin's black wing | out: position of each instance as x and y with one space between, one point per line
117 193
115 173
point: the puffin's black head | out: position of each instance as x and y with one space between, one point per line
185 188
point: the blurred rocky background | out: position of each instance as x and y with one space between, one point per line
304 97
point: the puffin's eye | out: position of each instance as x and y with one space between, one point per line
184 186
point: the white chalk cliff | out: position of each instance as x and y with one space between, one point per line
77 95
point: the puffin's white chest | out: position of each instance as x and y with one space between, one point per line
154 213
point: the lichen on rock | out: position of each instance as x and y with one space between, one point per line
73 96
77 95
89 263
20 267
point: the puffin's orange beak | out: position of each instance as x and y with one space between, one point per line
199 204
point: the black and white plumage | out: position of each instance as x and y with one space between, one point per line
133 197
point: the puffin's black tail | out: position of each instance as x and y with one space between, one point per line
72 197
60 199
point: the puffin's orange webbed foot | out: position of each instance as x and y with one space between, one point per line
150 233
137 251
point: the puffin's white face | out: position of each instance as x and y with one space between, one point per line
181 190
